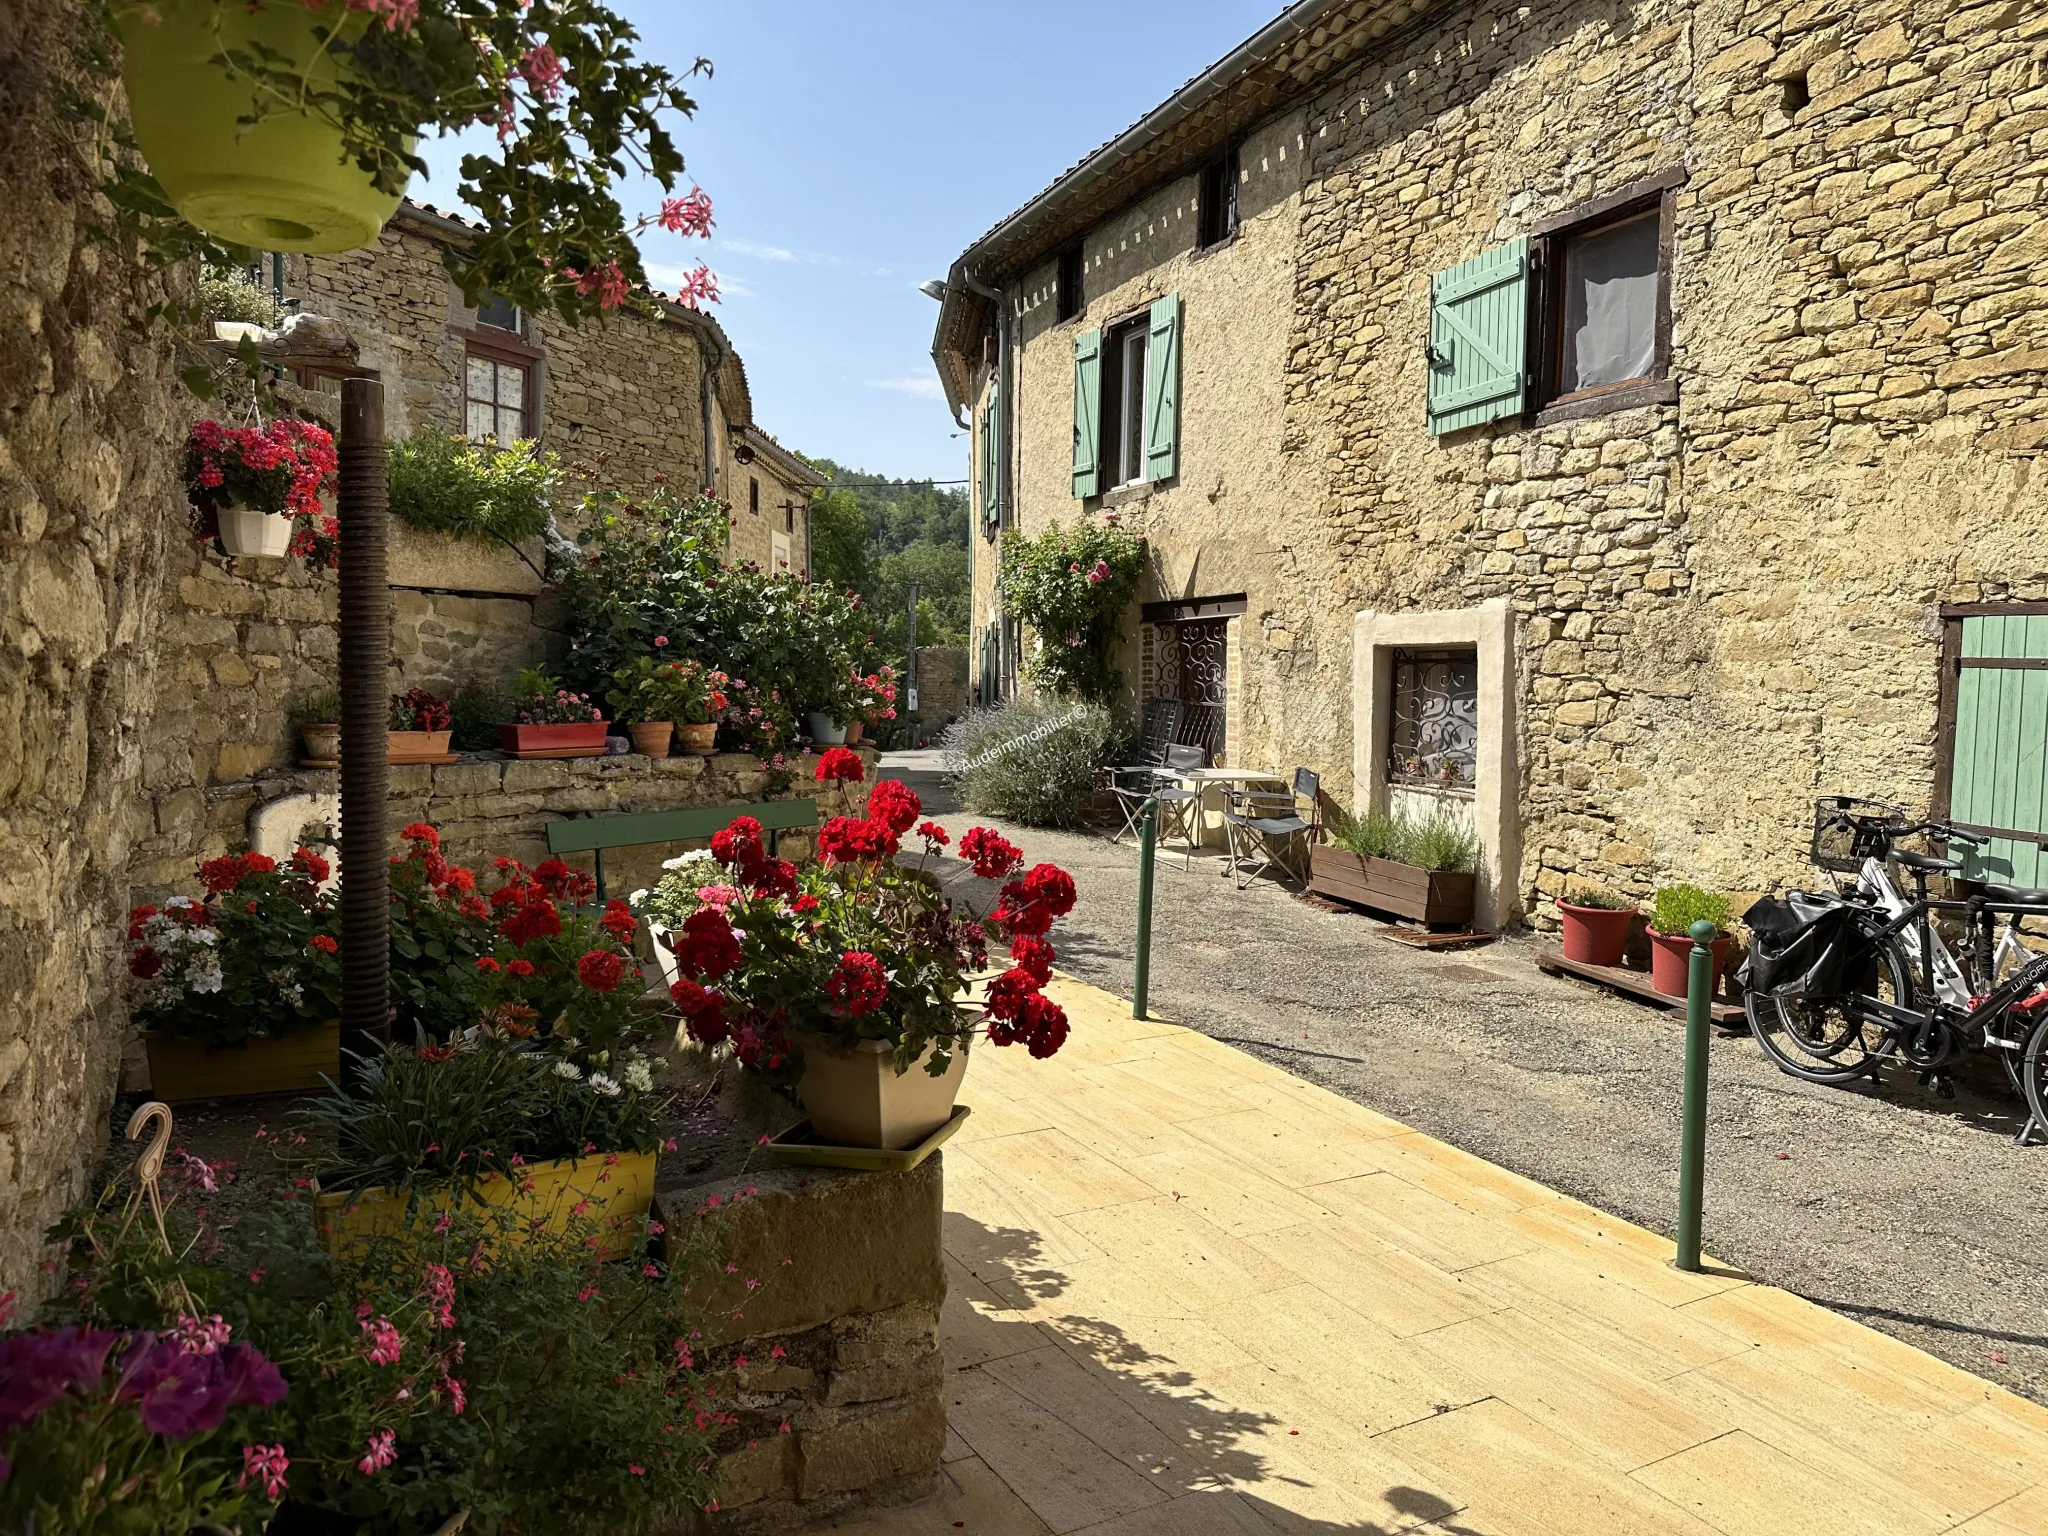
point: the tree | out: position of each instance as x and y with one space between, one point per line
839 542
876 536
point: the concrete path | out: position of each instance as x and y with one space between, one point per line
1913 1214
1194 1295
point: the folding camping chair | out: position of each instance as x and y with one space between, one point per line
1180 803
1133 783
1261 825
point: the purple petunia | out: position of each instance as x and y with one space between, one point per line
37 1368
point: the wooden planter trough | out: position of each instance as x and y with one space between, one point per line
181 1069
1427 896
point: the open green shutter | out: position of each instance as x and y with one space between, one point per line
1999 776
991 460
1087 413
1479 339
1162 390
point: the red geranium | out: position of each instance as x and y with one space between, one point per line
841 765
705 946
422 834
843 840
934 836
325 943
989 853
600 970
1034 956
703 1008
859 984
1049 886
739 847
618 920
1006 994
894 805
309 862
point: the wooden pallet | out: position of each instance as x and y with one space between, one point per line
1620 978
1422 938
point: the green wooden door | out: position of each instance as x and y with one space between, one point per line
1999 779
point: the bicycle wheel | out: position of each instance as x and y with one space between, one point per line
1819 1038
2034 1074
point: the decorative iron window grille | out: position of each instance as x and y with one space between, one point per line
1434 740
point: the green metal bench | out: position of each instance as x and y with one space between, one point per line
594 834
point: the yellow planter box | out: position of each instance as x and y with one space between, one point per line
181 1068
619 1187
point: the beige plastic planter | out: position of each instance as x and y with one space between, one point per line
856 1098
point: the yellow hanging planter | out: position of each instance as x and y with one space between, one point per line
282 184
613 1190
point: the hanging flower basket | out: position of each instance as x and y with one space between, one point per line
283 183
249 531
248 485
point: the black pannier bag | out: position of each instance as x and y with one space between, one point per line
1808 945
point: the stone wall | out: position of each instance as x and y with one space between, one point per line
89 505
1722 605
942 688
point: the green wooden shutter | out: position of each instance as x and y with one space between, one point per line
1479 339
991 459
1087 413
1999 774
1162 390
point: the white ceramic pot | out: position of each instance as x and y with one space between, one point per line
826 731
663 955
857 1098
245 531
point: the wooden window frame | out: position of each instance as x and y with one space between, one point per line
1657 194
1217 215
1949 689
1070 279
1109 442
501 346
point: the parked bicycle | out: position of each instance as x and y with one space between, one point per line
1840 983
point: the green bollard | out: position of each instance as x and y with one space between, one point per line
1148 835
1692 1136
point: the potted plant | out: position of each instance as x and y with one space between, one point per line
873 701
660 697
294 126
317 717
419 728
1596 925
1675 910
848 980
550 721
239 991
1422 871
247 484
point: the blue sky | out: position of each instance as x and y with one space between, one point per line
852 151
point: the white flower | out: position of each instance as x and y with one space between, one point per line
639 1076
207 936
683 860
205 974
599 1083
568 1069
638 898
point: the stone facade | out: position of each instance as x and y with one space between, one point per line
942 691
90 505
1724 602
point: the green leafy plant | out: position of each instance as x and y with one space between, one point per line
685 692
1374 835
322 708
534 698
1072 586
444 484
1035 761
1596 900
226 293
577 116
1677 907
1440 843
256 957
474 713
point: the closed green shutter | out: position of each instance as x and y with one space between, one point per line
991 460
1999 776
1162 390
1087 413
1479 339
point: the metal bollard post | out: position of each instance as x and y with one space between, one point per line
1692 1137
1148 835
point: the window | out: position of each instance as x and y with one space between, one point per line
1127 401
779 553
1434 739
1216 205
1571 320
753 496
497 393
1123 405
502 314
1073 297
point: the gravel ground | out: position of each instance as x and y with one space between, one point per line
1916 1215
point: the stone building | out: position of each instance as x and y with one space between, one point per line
1614 422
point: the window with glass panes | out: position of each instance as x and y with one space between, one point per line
497 399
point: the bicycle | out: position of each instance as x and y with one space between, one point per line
1877 983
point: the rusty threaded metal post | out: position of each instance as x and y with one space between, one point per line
365 703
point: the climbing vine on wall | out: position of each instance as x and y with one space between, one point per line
1071 586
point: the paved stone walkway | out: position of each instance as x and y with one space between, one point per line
1195 1295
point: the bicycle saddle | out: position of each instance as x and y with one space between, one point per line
1925 865
2015 895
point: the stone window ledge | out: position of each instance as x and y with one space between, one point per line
1622 397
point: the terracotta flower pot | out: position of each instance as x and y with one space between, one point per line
700 739
323 742
579 738
416 746
856 1097
650 737
245 531
853 731
1595 935
1671 962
